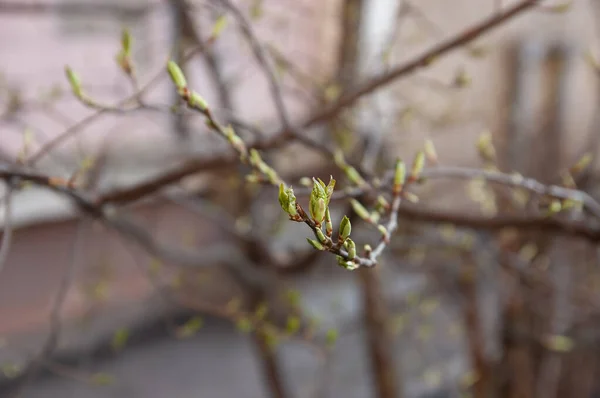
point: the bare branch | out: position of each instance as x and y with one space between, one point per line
421 61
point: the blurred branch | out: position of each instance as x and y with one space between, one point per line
50 145
421 61
74 7
52 340
263 60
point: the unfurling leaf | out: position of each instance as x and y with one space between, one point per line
320 235
317 209
287 200
176 75
315 244
354 176
328 223
345 228
319 199
351 247
74 82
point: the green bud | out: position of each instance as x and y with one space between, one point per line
126 41
319 199
305 181
287 200
331 337
328 223
582 163
238 144
399 176
345 228
555 207
349 265
417 165
382 204
255 159
283 197
317 209
360 210
351 247
176 74
315 244
329 189
368 248
74 81
354 176
375 217
293 324
196 101
320 235
485 147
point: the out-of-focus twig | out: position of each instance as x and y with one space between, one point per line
52 340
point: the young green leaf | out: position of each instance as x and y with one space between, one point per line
74 81
176 75
315 244
345 228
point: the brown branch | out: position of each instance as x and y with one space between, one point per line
375 315
73 7
421 61
531 223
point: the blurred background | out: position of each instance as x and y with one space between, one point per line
201 287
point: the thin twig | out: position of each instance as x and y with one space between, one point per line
52 340
421 61
47 147
263 60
